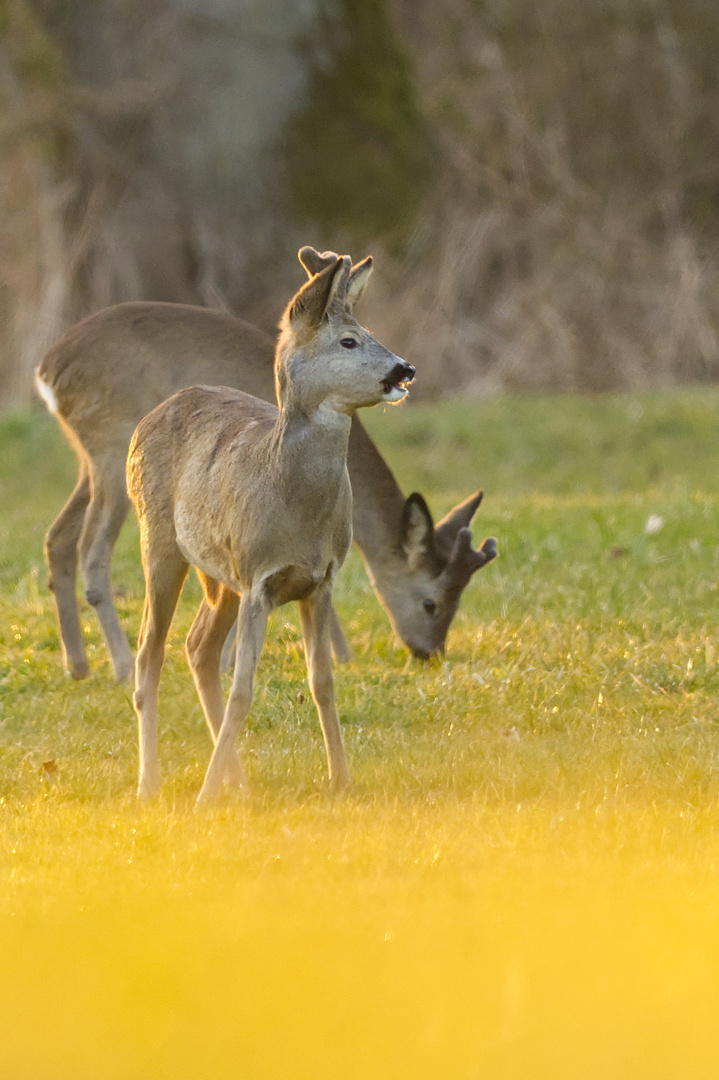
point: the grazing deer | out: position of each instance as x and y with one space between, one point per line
258 499
114 367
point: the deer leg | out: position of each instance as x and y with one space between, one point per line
340 649
227 660
204 648
316 618
104 519
163 585
251 626
61 555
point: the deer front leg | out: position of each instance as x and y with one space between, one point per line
204 647
251 627
315 616
162 590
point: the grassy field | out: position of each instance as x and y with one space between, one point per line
524 880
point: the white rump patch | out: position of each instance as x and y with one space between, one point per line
47 394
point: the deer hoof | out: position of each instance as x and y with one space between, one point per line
125 672
340 785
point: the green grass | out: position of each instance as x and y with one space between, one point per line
524 879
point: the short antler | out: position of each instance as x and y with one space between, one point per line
464 560
314 262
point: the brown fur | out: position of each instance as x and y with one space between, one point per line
112 369
258 498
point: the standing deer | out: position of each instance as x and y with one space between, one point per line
112 368
257 498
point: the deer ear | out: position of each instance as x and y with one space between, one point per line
416 530
310 304
313 262
358 280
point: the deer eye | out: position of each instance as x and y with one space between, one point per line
348 343
429 606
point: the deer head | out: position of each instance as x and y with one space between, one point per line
324 356
433 566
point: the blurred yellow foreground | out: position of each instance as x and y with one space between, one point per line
360 940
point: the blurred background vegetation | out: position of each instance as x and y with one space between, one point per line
539 179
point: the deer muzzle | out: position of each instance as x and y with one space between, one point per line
395 384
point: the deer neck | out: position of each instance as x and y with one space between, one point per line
306 419
309 446
377 504
376 496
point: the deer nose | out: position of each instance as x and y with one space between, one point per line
426 654
394 384
423 654
403 372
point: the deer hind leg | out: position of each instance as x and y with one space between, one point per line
340 649
227 660
61 545
251 627
105 516
163 583
316 617
204 646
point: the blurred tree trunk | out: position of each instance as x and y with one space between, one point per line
139 158
183 150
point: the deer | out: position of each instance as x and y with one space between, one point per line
257 498
116 365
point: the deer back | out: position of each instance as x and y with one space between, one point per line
115 366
